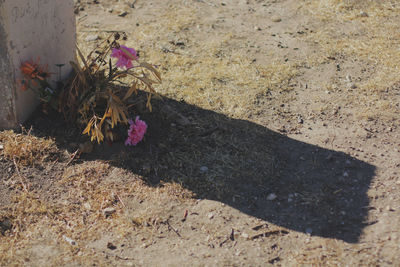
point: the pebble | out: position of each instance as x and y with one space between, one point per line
123 14
271 196
86 147
388 208
300 120
363 14
345 174
108 211
69 240
309 230
244 235
1 147
276 19
87 206
91 38
257 28
210 215
203 168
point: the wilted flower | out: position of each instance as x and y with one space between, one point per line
125 55
136 132
34 70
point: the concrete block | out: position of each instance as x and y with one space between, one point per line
30 29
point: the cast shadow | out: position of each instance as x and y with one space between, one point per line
245 165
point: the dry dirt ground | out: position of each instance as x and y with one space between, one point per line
276 142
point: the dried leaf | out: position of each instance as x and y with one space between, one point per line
130 91
82 57
148 104
152 69
79 72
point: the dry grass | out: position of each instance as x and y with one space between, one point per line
26 149
370 36
74 209
228 84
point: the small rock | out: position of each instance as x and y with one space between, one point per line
5 224
276 19
123 14
86 147
244 235
69 240
309 230
353 86
345 174
271 196
109 211
87 206
300 120
257 28
388 208
210 215
110 10
1 146
363 14
203 168
92 38
111 246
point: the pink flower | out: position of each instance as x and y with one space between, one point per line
136 132
125 55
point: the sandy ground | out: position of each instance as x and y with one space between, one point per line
276 143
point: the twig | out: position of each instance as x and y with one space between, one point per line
223 242
175 230
267 234
20 176
120 200
185 216
81 18
73 157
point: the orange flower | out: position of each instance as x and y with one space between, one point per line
33 70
